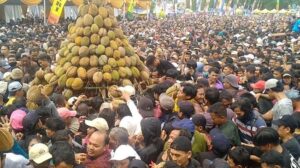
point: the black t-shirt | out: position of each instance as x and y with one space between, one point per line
289 160
164 66
293 147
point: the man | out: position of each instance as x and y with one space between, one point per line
118 136
28 66
5 51
228 69
181 153
187 92
283 106
231 85
186 110
286 128
44 62
264 104
213 75
66 115
272 159
267 139
12 61
98 154
15 90
296 26
123 156
39 156
162 66
219 117
34 53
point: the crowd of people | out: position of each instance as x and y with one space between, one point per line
224 93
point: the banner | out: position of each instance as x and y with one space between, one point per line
56 10
277 5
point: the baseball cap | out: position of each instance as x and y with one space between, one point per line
232 80
216 163
258 85
286 74
16 119
166 102
287 121
17 74
39 153
124 152
199 120
99 123
271 83
184 124
128 89
30 120
65 113
145 107
14 86
220 143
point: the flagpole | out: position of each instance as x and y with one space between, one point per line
45 14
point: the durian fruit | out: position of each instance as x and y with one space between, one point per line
95 53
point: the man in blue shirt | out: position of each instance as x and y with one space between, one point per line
296 27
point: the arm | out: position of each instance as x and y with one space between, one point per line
132 107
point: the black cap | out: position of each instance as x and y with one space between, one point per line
145 107
287 121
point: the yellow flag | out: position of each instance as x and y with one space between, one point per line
56 10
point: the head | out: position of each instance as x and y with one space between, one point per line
274 87
181 151
226 98
272 159
12 61
39 156
231 82
200 94
53 125
228 69
213 74
35 53
218 113
212 95
243 109
44 60
286 126
200 122
277 73
187 92
186 109
25 59
152 61
118 136
122 111
287 78
63 155
15 89
97 144
238 157
250 71
266 139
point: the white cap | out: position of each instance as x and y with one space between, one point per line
124 152
271 83
99 123
39 153
129 124
128 89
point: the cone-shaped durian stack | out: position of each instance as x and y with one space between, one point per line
96 53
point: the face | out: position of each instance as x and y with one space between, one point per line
200 94
156 62
4 50
272 63
121 163
277 75
239 113
63 165
113 143
181 95
287 80
227 71
217 120
25 61
173 135
226 102
181 158
226 85
12 59
96 145
43 63
283 131
213 77
49 132
265 165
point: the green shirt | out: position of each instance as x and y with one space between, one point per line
199 143
230 130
